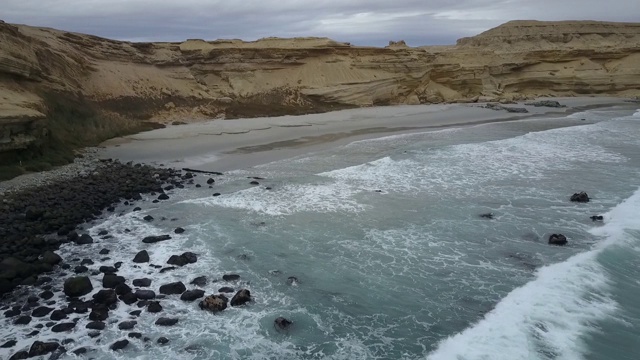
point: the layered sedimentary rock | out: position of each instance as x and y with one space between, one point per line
53 80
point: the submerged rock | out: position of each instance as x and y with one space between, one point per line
282 323
230 277
241 297
163 321
155 239
581 197
558 239
119 345
199 281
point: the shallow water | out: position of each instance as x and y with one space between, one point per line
392 257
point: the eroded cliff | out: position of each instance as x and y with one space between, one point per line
80 89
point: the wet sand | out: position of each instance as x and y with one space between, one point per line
223 145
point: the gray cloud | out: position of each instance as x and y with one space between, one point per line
362 22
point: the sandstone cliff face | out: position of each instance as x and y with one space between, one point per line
126 83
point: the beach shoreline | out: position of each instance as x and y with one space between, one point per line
224 145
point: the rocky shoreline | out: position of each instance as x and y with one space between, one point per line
56 297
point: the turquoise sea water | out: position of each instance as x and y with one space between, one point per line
392 258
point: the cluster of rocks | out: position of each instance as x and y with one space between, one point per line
29 218
559 239
546 103
41 212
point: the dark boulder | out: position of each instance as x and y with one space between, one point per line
105 297
282 323
46 295
20 355
148 218
145 294
154 307
41 311
39 348
128 298
214 303
104 252
80 269
178 230
127 325
241 297
63 327
51 258
22 320
155 239
135 335
487 215
558 239
168 268
163 341
141 257
119 345
57 315
581 197
84 239
144 282
174 288
597 218
226 289
8 344
163 321
136 313
163 197
199 281
99 313
77 286
108 269
110 281
182 260
122 289
192 295
96 325
230 277
216 194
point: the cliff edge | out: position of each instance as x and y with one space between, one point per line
61 89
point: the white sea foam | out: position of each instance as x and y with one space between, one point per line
548 317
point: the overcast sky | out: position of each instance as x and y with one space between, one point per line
361 22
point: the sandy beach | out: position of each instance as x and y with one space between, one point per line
223 145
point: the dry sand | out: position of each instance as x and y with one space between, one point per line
223 145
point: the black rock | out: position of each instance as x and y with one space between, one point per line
86 262
96 325
216 194
20 355
51 258
63 327
135 313
104 252
46 295
41 348
165 269
141 257
144 282
57 315
178 230
597 218
108 269
128 298
182 260
135 335
8 344
163 197
163 321
155 239
119 345
230 277
41 311
94 334
99 314
127 325
145 294
192 295
154 307
173 288
214 303
487 216
163 341
105 297
137 208
148 218
84 239
282 323
199 281
77 286
122 289
33 299
102 232
80 351
254 183
110 281
581 197
226 289
80 269
210 181
241 297
293 281
558 239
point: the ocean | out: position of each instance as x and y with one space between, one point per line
377 250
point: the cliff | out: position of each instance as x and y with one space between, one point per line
77 89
